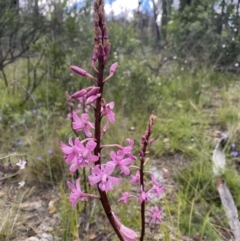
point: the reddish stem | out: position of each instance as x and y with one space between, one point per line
103 195
145 142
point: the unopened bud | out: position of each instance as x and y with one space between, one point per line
113 68
92 98
95 54
107 49
78 70
143 139
93 91
79 94
101 50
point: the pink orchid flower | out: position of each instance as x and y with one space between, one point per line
77 155
101 175
107 111
77 194
119 161
156 189
156 214
127 149
135 179
82 123
144 197
125 197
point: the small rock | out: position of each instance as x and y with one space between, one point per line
51 207
166 173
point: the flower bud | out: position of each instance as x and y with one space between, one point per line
107 49
79 94
93 91
92 98
95 54
101 50
78 70
113 68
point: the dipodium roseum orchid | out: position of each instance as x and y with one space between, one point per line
127 150
77 194
87 153
78 155
135 179
156 214
121 162
107 111
157 188
101 176
125 197
144 196
82 123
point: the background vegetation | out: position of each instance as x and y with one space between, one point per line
180 63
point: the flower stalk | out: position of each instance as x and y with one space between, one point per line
142 154
101 39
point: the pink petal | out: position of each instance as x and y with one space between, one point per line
66 149
73 167
125 170
111 116
97 171
69 158
126 161
87 131
114 180
84 117
128 233
106 186
113 155
92 98
109 168
78 185
106 126
91 145
70 141
111 105
78 144
71 186
92 158
77 124
94 180
91 125
130 141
